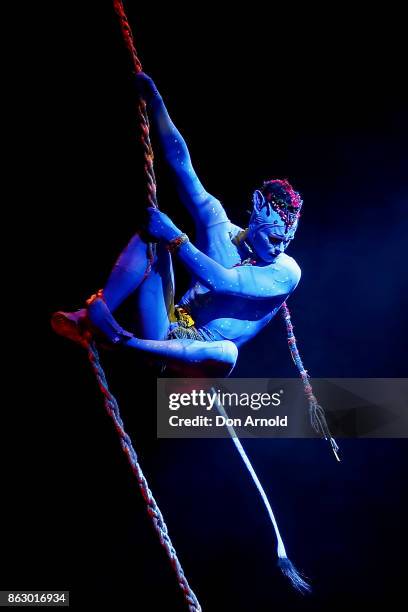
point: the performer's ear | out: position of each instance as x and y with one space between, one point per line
258 200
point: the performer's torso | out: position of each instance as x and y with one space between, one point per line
231 317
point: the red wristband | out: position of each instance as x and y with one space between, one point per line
176 243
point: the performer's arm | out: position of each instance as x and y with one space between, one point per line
204 207
246 281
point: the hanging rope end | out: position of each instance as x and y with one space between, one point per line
335 448
289 570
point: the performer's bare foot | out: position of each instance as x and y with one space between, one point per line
94 322
72 325
102 320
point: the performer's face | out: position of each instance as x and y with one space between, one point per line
268 243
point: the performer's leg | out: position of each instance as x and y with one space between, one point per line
153 302
190 357
185 356
127 273
125 278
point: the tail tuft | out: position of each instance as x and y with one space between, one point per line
290 571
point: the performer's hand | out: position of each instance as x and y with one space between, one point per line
160 226
145 87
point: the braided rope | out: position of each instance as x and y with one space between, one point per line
143 122
127 34
150 178
110 403
112 408
148 154
316 412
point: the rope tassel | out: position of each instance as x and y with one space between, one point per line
316 412
319 424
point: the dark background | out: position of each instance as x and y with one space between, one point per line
315 97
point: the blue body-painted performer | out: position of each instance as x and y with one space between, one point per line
240 280
240 277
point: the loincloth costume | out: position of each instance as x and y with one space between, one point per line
182 326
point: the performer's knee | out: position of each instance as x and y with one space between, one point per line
223 357
230 353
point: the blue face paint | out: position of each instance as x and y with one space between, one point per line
268 233
266 242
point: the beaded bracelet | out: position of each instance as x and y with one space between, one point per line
175 244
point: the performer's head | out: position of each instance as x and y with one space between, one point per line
274 219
